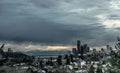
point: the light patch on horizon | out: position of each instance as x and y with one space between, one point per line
30 46
59 47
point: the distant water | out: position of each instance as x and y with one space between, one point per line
46 54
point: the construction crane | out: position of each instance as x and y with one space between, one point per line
117 45
2 46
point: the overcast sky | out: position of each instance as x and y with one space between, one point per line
49 24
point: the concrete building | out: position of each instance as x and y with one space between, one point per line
10 50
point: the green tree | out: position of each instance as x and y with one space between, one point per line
91 70
115 63
99 70
115 59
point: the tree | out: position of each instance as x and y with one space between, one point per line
91 70
115 59
115 63
99 70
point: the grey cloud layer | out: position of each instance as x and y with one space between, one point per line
56 21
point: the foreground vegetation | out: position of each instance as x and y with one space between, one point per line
6 69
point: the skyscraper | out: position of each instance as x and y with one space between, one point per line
79 46
85 48
88 49
74 51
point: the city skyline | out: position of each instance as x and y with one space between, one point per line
58 24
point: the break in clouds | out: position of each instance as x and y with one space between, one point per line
59 22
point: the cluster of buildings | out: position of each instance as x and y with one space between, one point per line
80 59
84 52
81 49
84 49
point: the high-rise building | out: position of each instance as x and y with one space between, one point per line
88 49
85 48
79 46
74 50
82 50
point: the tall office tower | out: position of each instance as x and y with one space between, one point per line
85 48
74 51
82 51
79 46
88 49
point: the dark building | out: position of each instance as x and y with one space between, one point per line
74 50
85 48
94 50
82 50
79 46
88 49
10 50
107 46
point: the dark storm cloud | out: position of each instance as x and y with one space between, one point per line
46 32
55 21
45 3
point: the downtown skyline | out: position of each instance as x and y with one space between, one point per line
58 24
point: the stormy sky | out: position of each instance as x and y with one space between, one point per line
57 24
